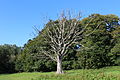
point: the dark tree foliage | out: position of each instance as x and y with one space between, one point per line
96 50
96 54
7 58
32 60
116 45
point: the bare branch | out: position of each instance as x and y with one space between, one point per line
85 27
94 29
50 35
49 55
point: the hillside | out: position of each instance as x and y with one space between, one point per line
108 73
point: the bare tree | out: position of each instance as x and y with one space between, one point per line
61 35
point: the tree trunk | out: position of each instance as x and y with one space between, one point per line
59 65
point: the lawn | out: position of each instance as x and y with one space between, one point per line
108 73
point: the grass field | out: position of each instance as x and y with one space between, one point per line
108 73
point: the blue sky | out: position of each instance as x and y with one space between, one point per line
17 17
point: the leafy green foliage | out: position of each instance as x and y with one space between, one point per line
32 60
96 52
7 57
116 45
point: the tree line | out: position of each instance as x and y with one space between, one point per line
94 42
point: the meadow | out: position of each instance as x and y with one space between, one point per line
107 73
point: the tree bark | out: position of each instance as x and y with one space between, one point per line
59 65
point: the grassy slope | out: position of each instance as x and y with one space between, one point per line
109 73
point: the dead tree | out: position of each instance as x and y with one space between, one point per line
61 35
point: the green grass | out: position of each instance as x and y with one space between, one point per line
108 73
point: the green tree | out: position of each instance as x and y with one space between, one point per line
96 47
32 60
116 45
8 55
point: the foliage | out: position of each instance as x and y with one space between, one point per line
32 60
7 57
96 50
116 48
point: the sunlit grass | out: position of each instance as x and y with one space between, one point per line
108 73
